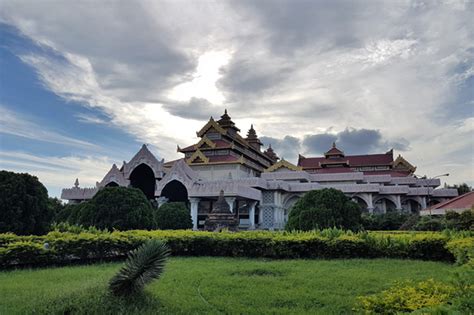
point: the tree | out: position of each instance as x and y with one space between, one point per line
23 204
114 208
324 208
173 216
462 188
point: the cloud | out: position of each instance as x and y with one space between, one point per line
398 72
14 124
57 172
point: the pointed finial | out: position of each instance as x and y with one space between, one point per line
225 111
76 183
251 126
114 166
334 144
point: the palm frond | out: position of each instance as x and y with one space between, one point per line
143 265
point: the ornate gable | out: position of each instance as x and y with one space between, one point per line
144 156
283 164
114 175
205 143
401 163
211 124
180 172
198 157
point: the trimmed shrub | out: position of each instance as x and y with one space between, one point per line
113 208
325 208
173 216
65 247
24 205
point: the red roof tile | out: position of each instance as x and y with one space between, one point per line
354 160
465 201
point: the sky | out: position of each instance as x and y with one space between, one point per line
84 84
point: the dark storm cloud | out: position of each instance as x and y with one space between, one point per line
353 141
287 148
196 108
319 143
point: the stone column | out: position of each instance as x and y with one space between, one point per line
252 214
370 203
194 211
398 203
423 203
230 201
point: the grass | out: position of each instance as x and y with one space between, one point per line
213 286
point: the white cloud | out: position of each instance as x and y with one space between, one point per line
291 68
14 124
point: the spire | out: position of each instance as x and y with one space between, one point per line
253 139
271 154
334 152
334 144
76 183
226 122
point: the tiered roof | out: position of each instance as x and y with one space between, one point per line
221 143
335 161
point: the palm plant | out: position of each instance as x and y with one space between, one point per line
143 265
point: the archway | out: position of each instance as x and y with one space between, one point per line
143 178
288 205
384 205
411 205
112 184
175 191
361 202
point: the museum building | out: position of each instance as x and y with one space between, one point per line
261 188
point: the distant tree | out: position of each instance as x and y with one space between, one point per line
324 208
114 208
24 207
462 188
55 206
173 216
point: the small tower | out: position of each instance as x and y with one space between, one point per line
227 123
76 183
252 139
334 152
271 154
221 217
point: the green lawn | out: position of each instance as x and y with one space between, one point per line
214 286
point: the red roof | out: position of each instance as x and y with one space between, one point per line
465 201
218 143
354 160
223 158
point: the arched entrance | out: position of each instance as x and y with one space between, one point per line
411 206
143 178
384 205
112 184
175 191
361 202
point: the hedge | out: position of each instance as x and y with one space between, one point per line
66 247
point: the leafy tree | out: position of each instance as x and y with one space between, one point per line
143 265
23 204
462 188
173 216
114 208
386 221
324 208
55 205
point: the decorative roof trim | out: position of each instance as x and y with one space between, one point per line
211 123
285 164
401 161
205 140
198 154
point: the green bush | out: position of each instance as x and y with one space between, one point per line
325 208
173 216
65 247
24 205
406 297
112 208
384 221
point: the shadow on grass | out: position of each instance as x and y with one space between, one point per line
98 300
258 272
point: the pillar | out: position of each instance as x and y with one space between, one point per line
252 215
230 201
370 203
423 203
398 203
194 211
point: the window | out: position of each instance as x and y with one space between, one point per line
213 135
